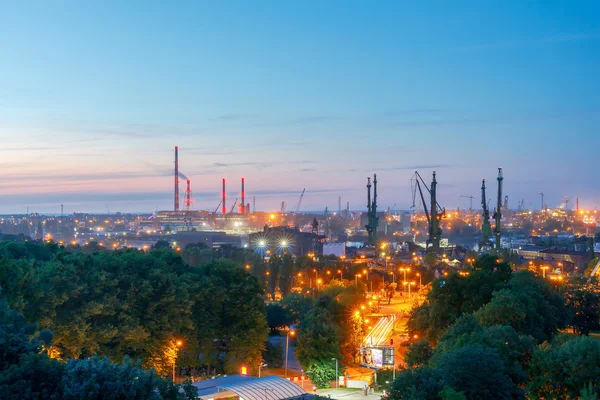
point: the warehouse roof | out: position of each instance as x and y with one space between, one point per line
248 388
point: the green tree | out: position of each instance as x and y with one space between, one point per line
26 372
530 306
430 259
354 333
273 274
273 354
447 393
277 317
583 304
454 295
287 273
297 305
563 371
318 342
96 378
478 372
417 384
228 315
161 244
515 351
418 354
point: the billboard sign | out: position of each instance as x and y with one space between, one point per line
376 357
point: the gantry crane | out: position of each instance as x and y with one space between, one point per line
498 213
486 229
435 213
372 219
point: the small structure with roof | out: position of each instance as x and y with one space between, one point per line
249 388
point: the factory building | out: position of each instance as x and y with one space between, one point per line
275 240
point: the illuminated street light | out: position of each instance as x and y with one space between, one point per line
178 343
287 347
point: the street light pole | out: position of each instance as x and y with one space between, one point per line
261 365
287 348
178 343
337 377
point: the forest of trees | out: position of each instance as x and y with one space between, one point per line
499 334
130 305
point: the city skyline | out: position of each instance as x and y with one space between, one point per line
321 96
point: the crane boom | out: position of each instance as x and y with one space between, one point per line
300 200
217 209
233 206
435 213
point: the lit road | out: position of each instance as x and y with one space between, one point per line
378 336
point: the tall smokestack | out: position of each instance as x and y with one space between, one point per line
224 208
243 205
188 196
176 206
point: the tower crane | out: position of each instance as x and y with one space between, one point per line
471 197
435 213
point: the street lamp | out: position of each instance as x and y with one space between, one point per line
261 365
341 276
366 272
356 279
419 275
178 343
287 348
337 377
544 268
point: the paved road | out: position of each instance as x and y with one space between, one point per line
293 364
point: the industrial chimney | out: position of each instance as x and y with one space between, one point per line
243 204
176 206
224 208
188 196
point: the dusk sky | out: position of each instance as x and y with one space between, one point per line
94 95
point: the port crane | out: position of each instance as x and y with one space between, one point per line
217 209
486 229
498 212
300 200
434 214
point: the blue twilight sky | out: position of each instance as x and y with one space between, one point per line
293 95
